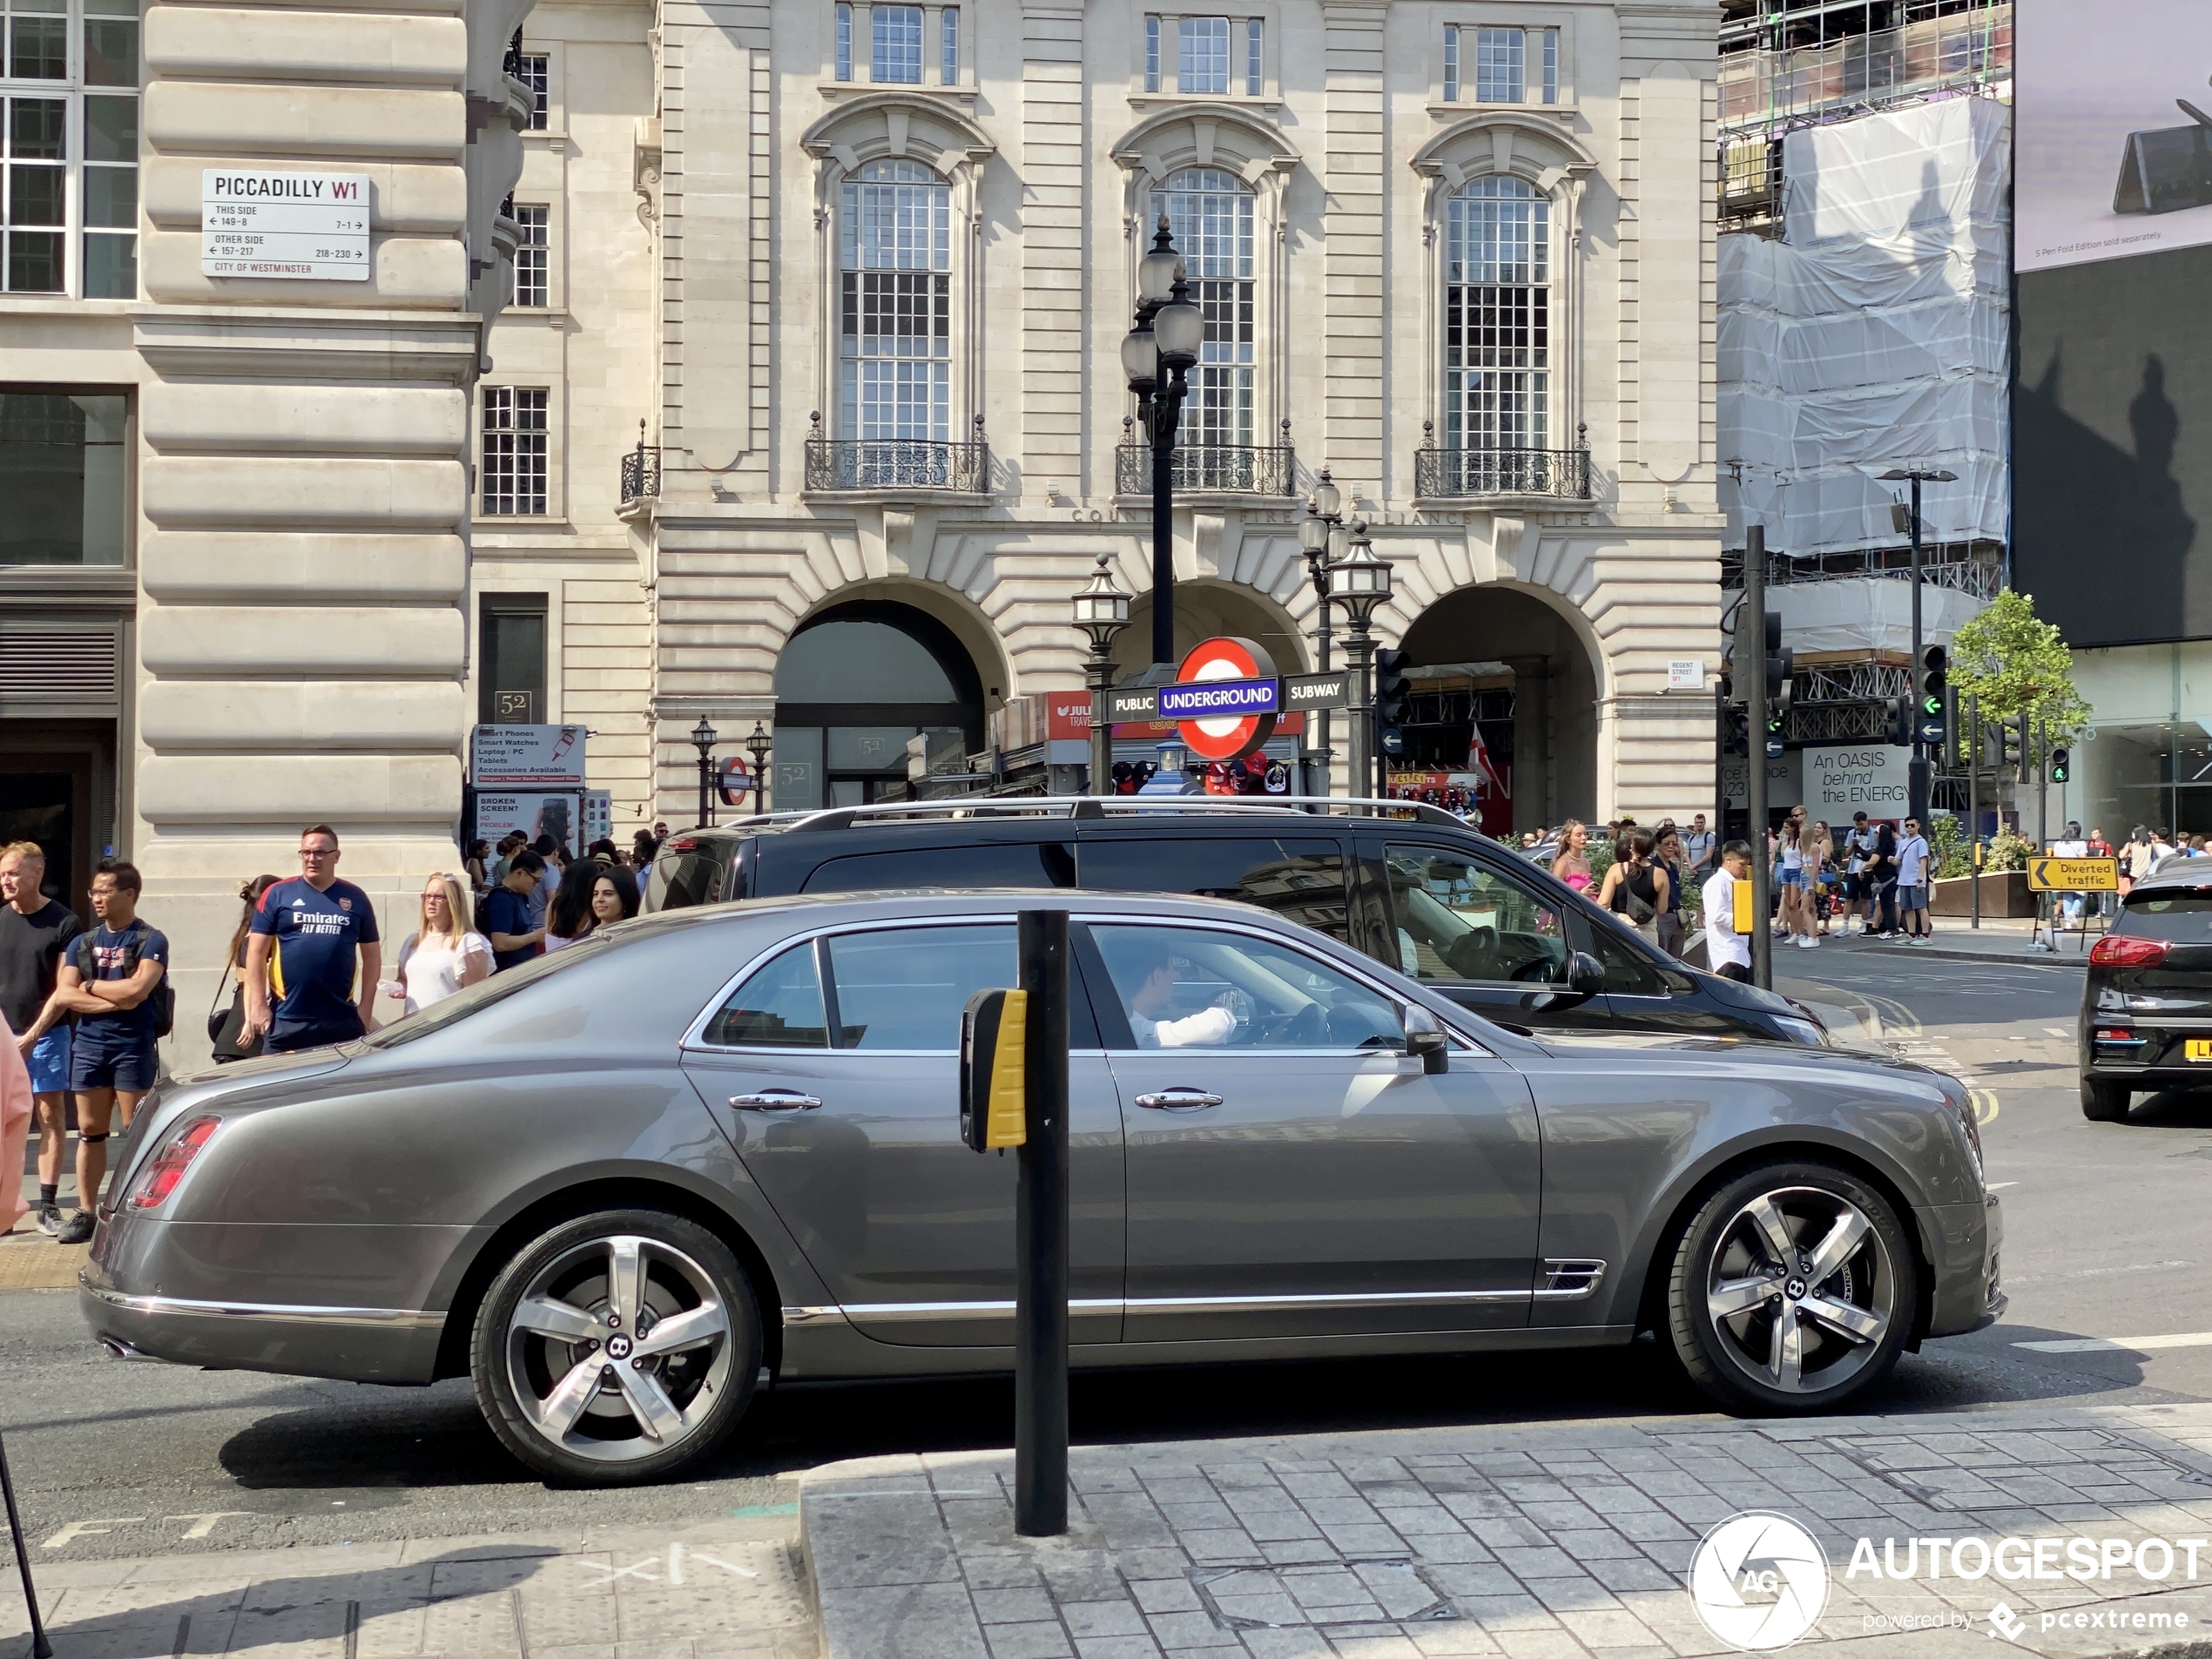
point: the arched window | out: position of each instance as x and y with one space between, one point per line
895 305
1210 213
1497 316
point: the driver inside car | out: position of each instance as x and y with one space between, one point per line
1209 1027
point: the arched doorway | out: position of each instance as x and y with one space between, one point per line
1505 663
1206 611
853 685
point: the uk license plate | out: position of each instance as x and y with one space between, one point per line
2197 1049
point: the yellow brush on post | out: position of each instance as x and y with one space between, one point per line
994 1095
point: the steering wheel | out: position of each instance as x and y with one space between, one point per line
1472 952
1536 969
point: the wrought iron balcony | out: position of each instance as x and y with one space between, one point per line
640 470
899 463
1443 475
1239 469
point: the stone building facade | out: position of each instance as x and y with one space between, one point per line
808 407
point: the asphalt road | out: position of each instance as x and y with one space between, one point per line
2103 1233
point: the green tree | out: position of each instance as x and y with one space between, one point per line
2012 662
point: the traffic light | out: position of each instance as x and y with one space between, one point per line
1929 697
1899 733
2061 770
1393 692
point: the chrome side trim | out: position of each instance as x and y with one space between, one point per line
1571 1279
894 1312
277 1313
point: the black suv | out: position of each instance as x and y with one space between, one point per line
2147 1004
1410 886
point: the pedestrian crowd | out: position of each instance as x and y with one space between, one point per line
85 1007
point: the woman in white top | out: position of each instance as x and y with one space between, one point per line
442 955
1791 859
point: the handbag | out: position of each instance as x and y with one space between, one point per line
227 1025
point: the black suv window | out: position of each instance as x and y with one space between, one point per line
987 864
2180 914
1455 920
681 880
1300 880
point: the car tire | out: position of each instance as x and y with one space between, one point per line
2104 1102
1760 1322
551 1356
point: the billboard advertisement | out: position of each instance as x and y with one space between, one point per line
2112 394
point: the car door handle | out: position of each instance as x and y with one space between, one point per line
1178 1100
775 1100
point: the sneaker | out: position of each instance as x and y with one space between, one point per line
49 1219
1812 941
78 1230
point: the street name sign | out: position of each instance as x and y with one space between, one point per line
2050 875
1138 702
302 226
1317 691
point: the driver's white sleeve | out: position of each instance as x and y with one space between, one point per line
1206 1027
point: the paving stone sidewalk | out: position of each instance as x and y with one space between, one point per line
1537 1541
716 1592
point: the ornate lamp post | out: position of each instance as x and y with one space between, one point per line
1361 585
704 738
1157 355
1321 534
758 745
1101 612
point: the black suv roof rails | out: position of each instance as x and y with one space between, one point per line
1094 807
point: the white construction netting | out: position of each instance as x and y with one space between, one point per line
1874 335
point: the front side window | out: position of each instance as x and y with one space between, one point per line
515 462
1197 989
905 989
896 58
1202 64
777 1007
895 332
1497 315
1454 920
63 480
69 147
531 271
1210 213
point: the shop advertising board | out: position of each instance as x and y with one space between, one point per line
1870 780
598 816
295 226
544 757
558 815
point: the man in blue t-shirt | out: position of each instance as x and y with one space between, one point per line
313 941
108 979
507 916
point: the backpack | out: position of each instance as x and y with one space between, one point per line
162 998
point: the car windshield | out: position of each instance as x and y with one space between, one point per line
485 993
2182 915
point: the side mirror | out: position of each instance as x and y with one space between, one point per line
1585 974
1424 1037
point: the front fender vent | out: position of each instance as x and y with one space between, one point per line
1570 1278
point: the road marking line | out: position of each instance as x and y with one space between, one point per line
1984 1105
2121 1344
1999 1186
204 1524
76 1529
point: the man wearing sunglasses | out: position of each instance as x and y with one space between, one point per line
315 944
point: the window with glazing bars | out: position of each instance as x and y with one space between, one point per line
514 470
69 147
1203 61
1152 53
894 310
1451 62
1502 64
1497 316
533 75
948 47
1255 79
844 43
896 58
531 254
1209 213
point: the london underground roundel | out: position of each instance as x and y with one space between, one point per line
736 781
1234 663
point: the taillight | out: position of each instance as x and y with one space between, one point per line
681 844
2121 950
167 1166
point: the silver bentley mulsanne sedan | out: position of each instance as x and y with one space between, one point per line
622 1186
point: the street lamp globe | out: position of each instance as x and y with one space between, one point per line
1157 272
1328 500
704 736
758 744
1102 608
1314 532
1180 330
1141 360
1361 582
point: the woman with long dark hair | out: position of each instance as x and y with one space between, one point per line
1635 887
226 1031
569 918
614 895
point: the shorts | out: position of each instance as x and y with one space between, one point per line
1793 878
50 1063
293 1038
132 1070
1912 898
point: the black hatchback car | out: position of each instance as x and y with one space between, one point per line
2147 1007
1410 886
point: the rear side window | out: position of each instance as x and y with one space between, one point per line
1300 880
905 988
2184 916
1048 864
779 1006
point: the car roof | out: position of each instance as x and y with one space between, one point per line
1091 813
955 901
2177 871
